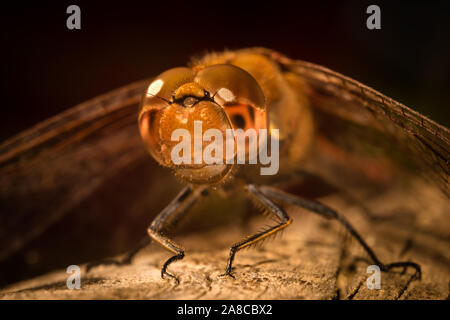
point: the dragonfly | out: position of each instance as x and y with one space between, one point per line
329 125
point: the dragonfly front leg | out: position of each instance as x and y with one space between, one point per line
169 216
273 209
329 213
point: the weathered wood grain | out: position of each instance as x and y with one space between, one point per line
314 259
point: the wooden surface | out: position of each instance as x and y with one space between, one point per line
313 259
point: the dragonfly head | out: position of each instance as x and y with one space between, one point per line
188 119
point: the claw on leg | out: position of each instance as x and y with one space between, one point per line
168 262
228 274
165 273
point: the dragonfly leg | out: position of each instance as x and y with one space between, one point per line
273 209
329 213
169 216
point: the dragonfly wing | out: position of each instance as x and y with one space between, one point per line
52 168
362 120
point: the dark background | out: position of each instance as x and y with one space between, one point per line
48 68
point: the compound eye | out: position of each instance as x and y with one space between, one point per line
231 85
164 87
157 97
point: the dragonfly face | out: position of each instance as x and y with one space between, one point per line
220 98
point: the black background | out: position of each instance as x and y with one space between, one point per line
48 68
